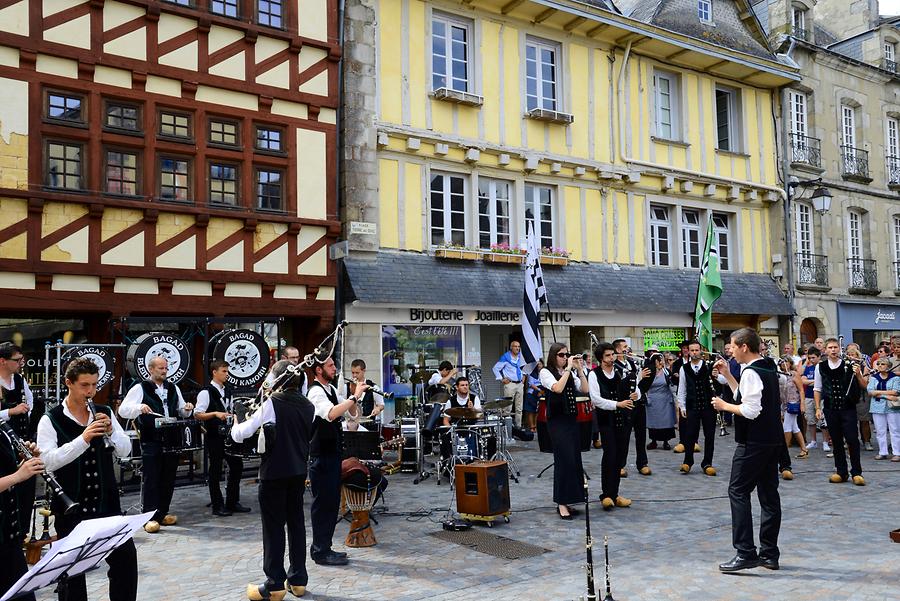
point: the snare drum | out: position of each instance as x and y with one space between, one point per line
179 436
244 450
464 441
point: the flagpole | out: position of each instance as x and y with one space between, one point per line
696 320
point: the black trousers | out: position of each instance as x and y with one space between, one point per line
325 482
159 471
638 423
25 501
280 505
215 449
12 567
784 458
705 417
615 440
568 471
842 425
755 466
122 573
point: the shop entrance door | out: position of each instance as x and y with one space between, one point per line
494 342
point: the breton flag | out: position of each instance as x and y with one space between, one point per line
534 297
709 289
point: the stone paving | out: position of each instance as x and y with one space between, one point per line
834 542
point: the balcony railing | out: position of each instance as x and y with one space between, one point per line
889 65
862 275
806 150
854 163
812 270
897 276
800 33
893 171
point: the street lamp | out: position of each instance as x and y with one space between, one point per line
821 200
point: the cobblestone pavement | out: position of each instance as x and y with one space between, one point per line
834 542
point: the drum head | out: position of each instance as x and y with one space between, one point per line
158 344
99 356
247 354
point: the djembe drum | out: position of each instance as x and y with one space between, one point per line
361 487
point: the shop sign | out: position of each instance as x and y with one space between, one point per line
420 315
665 339
883 316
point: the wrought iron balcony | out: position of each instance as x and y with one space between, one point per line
897 276
806 150
889 65
800 33
893 171
855 164
812 270
862 275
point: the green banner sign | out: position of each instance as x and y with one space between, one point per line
665 339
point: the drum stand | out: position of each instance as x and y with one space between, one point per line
451 462
503 454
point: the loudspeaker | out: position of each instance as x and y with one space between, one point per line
482 488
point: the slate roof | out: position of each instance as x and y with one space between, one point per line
604 4
410 278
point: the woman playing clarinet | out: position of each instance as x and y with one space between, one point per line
564 379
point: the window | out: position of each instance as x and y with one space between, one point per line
893 137
269 189
848 126
539 210
854 235
798 112
174 178
659 236
223 184
541 75
181 2
704 10
493 212
65 165
690 239
229 8
727 119
721 240
65 107
123 116
269 138
269 12
798 20
896 253
121 172
448 209
806 244
176 125
667 106
890 51
223 132
450 38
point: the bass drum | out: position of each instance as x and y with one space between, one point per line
243 408
158 344
247 354
99 355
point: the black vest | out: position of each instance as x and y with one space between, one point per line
367 402
615 389
147 423
217 403
562 403
835 383
89 479
698 387
9 509
289 454
327 436
629 372
455 402
766 429
13 397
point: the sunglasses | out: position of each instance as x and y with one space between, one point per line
567 355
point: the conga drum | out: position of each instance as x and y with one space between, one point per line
585 419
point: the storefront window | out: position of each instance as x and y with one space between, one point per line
32 335
407 348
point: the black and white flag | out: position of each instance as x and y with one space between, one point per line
534 297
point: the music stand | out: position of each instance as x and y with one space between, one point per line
86 546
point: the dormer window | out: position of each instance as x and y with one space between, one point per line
798 23
704 11
890 56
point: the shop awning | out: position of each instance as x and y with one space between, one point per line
416 279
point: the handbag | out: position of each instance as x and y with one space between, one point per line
893 403
793 408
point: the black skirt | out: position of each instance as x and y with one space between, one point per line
662 434
568 473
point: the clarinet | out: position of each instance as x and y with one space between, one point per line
588 546
608 596
54 485
107 443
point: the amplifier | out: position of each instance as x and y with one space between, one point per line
482 488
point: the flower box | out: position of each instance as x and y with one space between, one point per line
512 258
553 260
895 535
461 254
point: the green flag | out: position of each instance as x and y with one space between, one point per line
709 289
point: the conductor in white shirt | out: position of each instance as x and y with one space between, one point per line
144 402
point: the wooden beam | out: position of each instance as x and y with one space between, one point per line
510 6
544 16
631 37
716 65
574 23
675 55
595 30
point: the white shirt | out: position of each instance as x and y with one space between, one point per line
817 381
435 379
548 380
464 400
131 404
681 396
597 400
56 456
27 395
264 415
319 399
202 403
750 388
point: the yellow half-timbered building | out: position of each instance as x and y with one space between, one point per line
620 132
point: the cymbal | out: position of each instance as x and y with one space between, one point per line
502 403
439 397
419 377
463 413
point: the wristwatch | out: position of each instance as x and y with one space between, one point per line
352 397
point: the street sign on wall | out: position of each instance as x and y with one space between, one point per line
665 339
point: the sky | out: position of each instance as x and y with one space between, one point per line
889 7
